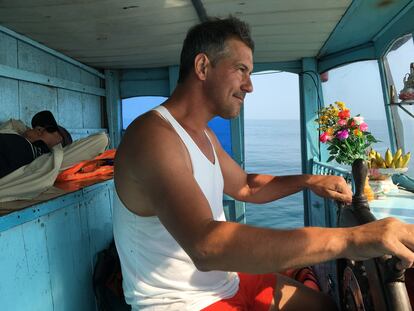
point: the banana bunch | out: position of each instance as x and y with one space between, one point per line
398 160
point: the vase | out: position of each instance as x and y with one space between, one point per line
359 174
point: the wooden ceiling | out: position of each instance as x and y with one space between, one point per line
149 33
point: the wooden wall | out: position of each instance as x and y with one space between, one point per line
34 78
48 251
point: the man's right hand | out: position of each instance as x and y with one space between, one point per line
385 236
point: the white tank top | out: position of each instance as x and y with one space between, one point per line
157 273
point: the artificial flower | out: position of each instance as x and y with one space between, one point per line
342 122
323 137
348 137
341 105
341 135
357 132
344 114
358 120
363 127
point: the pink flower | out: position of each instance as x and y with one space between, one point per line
342 135
342 122
363 127
324 137
358 120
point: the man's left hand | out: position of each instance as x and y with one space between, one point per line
329 186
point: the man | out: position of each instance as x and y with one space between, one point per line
17 150
176 250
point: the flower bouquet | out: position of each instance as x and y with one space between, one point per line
348 137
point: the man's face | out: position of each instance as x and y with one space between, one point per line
51 139
229 80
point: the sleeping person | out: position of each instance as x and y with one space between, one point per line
17 150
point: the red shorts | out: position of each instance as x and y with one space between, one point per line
255 294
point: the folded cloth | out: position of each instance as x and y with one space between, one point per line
28 181
13 126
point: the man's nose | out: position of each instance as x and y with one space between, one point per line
247 85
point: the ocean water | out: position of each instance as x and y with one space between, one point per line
273 147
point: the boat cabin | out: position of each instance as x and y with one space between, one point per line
83 59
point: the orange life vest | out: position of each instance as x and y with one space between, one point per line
100 165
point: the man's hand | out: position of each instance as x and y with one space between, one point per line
386 236
329 186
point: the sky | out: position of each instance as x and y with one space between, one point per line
276 95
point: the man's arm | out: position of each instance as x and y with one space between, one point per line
159 167
260 188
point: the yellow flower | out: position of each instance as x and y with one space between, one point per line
341 105
357 132
330 131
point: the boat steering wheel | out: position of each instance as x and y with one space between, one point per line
374 284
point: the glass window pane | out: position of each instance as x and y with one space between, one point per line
399 58
272 144
136 106
358 85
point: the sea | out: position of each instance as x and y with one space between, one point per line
273 147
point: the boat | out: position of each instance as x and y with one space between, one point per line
81 59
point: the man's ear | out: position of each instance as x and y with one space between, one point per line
39 130
201 63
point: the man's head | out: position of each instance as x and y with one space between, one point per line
45 128
210 38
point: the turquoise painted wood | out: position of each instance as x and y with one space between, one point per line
173 73
11 34
293 66
39 78
48 252
362 52
386 97
145 88
360 14
8 52
380 38
34 77
113 106
402 24
238 208
9 99
69 101
309 87
145 82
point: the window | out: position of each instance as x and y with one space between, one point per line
272 140
358 85
397 63
135 106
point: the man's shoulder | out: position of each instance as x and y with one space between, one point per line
150 138
150 130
